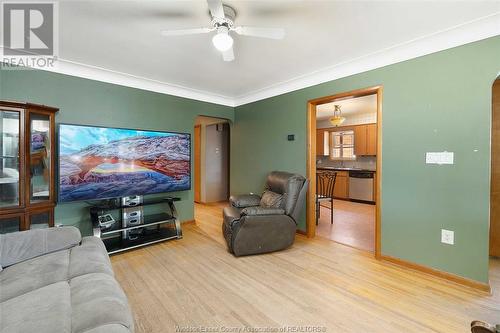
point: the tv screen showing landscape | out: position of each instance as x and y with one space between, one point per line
103 163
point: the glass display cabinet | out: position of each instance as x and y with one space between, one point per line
27 143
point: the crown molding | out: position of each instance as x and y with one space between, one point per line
129 80
67 67
468 32
472 31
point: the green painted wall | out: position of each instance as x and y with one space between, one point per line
433 103
83 101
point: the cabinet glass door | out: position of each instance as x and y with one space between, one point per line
40 220
39 150
9 158
10 224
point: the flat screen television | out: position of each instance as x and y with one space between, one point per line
103 163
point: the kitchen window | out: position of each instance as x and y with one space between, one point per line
342 147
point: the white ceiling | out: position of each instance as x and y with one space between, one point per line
124 37
349 107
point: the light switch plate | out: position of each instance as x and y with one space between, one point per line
447 237
444 157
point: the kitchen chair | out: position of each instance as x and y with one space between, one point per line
325 184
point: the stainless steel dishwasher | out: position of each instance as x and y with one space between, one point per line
361 186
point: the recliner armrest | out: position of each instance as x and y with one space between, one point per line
244 200
258 210
20 246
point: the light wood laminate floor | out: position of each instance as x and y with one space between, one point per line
353 224
196 282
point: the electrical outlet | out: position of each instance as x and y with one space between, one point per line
447 236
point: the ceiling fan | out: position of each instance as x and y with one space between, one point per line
222 23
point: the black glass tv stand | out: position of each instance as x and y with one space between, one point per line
124 226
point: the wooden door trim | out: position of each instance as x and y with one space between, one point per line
311 158
494 224
197 163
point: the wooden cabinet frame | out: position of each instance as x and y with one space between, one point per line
51 115
21 204
36 211
26 208
21 216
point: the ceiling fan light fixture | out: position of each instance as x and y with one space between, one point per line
222 41
222 22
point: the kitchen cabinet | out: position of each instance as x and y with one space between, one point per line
341 189
360 140
322 142
365 140
371 139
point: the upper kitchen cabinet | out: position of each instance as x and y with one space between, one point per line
371 139
360 140
27 141
365 140
322 142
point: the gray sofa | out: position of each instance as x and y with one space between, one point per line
53 280
256 224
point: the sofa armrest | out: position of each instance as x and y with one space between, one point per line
20 246
244 200
253 211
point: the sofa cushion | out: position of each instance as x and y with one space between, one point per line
32 274
69 291
271 199
111 328
90 257
97 300
46 309
19 246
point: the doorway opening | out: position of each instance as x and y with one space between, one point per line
344 167
211 159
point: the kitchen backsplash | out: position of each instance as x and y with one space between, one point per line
363 162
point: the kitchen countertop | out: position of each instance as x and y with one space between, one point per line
342 169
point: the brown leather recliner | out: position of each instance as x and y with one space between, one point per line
256 224
481 327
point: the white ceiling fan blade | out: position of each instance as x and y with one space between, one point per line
216 9
228 55
273 33
182 32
